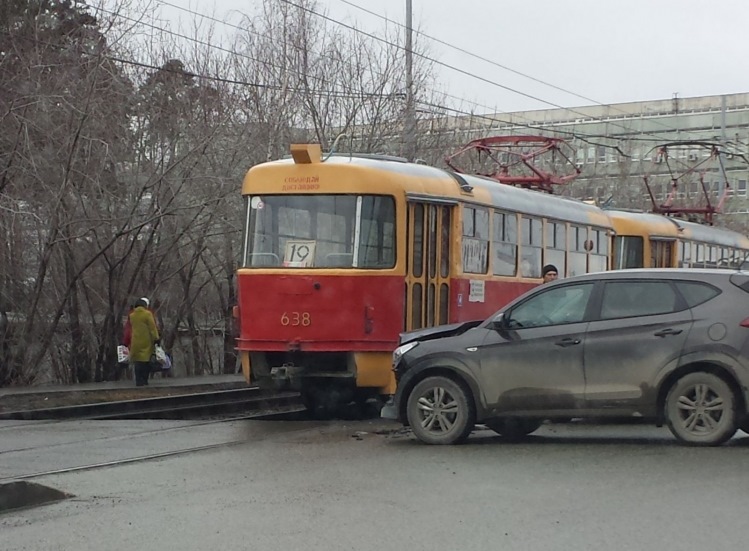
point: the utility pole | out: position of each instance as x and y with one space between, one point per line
409 126
723 183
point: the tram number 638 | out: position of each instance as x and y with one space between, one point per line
296 318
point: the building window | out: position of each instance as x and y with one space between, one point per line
741 188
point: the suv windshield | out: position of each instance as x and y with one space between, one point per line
319 231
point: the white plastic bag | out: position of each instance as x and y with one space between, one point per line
160 354
123 354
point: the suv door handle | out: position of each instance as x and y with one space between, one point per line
667 332
569 341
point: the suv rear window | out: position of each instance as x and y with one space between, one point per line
695 292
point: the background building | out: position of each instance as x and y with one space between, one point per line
616 146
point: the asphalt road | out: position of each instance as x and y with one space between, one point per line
360 486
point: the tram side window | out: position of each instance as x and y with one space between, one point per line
599 251
699 256
377 241
712 257
734 258
504 244
578 254
724 257
685 254
475 240
556 246
531 239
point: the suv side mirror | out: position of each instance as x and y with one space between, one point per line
499 322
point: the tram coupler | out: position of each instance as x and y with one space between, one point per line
284 375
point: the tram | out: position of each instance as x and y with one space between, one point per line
341 254
647 240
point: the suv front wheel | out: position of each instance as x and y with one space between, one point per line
440 411
701 410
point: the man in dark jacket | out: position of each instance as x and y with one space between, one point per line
549 273
144 336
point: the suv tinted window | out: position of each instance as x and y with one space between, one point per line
695 292
556 306
624 299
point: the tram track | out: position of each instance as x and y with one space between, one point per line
146 457
279 414
180 406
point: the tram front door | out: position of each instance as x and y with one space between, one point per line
662 253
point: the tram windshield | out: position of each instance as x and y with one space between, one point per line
319 231
628 252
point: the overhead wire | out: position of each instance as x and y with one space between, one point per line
244 29
375 37
188 38
330 93
448 66
490 61
493 118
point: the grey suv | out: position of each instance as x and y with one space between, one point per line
669 345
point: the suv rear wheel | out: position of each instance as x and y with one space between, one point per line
440 411
701 410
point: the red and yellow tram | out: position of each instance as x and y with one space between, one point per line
341 255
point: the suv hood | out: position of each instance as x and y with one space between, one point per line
439 331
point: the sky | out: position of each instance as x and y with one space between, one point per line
595 51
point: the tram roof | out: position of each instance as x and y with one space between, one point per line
425 181
647 222
666 226
713 235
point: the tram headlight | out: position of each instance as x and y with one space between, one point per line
398 352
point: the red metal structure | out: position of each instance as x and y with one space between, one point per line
530 162
687 163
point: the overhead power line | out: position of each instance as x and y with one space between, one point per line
492 118
451 67
245 29
490 61
391 44
166 69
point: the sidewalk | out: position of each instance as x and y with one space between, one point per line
46 396
126 383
